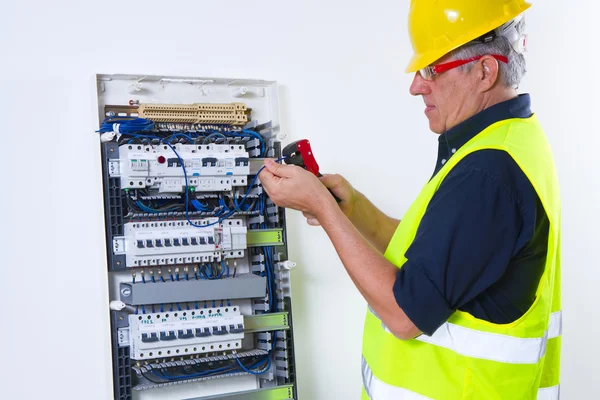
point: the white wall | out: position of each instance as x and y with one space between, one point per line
340 64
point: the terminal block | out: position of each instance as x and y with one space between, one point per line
230 114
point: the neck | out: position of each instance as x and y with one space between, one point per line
498 95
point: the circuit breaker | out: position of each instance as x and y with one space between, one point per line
198 272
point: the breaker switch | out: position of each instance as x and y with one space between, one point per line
176 242
211 240
159 243
173 162
140 244
194 241
202 240
220 331
166 336
187 334
209 162
149 338
168 242
239 329
185 241
149 243
241 161
203 332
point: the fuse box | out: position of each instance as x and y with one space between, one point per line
198 277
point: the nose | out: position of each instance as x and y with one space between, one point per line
419 86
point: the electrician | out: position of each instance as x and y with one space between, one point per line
464 292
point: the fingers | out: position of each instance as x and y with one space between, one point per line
311 219
313 222
266 177
331 181
285 171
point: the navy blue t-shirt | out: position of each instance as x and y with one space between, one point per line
481 245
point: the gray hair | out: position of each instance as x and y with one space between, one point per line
511 73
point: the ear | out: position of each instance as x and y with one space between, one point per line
489 73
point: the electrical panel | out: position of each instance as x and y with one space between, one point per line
198 273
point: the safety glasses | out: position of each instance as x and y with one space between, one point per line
429 72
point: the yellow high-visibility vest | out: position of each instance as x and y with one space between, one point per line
469 358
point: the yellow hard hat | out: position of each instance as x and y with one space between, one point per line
436 27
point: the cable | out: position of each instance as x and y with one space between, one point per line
125 125
268 359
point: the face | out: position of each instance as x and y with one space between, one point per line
450 97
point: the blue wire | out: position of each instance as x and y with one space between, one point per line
255 372
127 125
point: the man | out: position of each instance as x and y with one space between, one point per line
464 292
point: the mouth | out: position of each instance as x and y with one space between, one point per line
429 108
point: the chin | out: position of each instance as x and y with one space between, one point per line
435 128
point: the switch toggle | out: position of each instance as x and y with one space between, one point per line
166 336
203 332
149 338
187 334
220 331
239 329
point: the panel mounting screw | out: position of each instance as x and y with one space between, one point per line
112 150
126 292
118 262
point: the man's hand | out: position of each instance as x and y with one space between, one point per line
293 187
343 190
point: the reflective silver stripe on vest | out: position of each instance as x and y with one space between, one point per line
492 346
549 393
555 326
379 390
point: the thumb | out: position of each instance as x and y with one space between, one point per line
285 171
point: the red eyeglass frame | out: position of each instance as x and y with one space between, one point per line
429 72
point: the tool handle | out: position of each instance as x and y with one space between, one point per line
334 196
